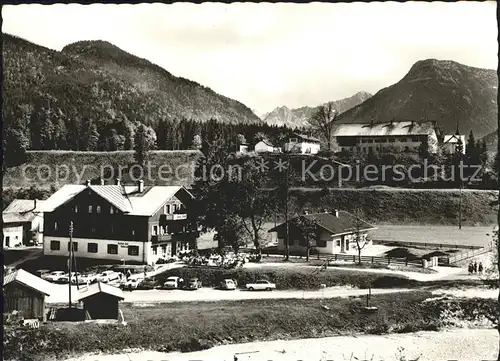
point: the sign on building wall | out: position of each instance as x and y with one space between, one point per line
123 244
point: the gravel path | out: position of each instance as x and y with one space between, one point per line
459 345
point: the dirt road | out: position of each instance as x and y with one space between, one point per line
459 345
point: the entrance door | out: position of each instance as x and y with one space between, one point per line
7 241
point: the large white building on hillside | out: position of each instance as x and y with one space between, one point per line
397 135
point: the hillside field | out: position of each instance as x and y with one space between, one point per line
44 169
402 206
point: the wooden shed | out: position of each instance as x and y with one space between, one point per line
25 293
100 301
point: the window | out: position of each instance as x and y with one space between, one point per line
55 245
98 209
155 230
90 209
320 243
75 246
112 229
155 250
55 226
167 208
175 208
111 210
163 249
93 229
338 243
133 250
92 247
112 249
133 232
76 209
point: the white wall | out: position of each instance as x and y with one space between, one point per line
15 235
102 250
263 147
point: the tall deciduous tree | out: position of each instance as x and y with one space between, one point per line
252 205
307 230
216 197
144 141
322 122
359 237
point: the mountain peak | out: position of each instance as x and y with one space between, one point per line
440 90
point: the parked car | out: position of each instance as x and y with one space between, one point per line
53 276
42 272
192 284
108 276
227 284
84 279
66 278
261 285
172 282
131 284
148 284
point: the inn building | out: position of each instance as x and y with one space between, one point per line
396 135
137 224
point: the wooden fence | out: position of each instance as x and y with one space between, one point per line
370 259
426 244
462 256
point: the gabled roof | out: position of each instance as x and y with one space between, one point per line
23 206
99 287
453 138
344 223
126 198
27 279
22 210
266 142
384 129
306 137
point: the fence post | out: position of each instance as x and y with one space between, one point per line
318 255
354 259
335 256
372 259
388 260
406 262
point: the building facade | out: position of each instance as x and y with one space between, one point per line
264 146
451 143
122 223
335 232
26 214
397 136
12 234
302 144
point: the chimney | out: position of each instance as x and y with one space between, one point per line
102 181
140 186
87 182
336 213
117 181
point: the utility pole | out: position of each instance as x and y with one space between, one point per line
70 260
460 206
287 234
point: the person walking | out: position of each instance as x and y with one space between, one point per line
128 274
475 267
471 268
480 268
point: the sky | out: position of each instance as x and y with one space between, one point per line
268 55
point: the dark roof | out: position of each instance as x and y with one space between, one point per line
27 279
306 137
344 223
